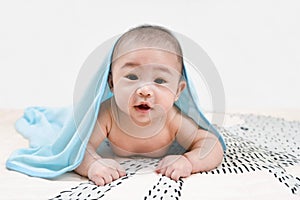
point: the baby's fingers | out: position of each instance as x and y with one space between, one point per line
161 168
121 172
164 166
117 173
113 174
169 171
175 175
99 181
108 178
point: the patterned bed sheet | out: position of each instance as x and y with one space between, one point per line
260 145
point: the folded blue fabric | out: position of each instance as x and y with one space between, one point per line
58 136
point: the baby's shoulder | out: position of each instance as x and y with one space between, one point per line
105 110
181 120
179 115
176 118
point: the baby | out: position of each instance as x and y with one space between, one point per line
141 118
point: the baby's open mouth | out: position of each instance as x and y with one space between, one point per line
144 107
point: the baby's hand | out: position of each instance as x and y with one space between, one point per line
174 167
104 171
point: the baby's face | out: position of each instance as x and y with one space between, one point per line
146 83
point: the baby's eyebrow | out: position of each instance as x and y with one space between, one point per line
130 64
165 69
159 67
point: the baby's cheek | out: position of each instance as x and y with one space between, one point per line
168 93
123 95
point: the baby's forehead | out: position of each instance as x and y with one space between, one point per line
125 48
155 58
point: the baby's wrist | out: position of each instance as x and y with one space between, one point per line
90 167
92 163
188 159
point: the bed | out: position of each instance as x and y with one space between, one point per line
261 162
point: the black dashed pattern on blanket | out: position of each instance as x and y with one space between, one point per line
263 143
260 143
165 189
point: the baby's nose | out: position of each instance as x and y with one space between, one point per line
144 91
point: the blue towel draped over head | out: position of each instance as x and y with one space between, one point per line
58 136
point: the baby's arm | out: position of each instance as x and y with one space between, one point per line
204 152
101 171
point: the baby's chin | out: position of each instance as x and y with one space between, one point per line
146 119
142 123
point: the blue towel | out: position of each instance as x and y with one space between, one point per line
58 136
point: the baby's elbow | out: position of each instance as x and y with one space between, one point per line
215 158
218 155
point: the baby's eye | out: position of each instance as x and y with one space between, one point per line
159 81
132 77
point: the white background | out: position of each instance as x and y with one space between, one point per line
255 45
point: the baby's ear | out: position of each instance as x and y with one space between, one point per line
181 87
110 82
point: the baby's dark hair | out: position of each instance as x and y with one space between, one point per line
151 36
